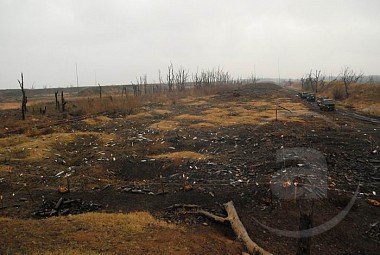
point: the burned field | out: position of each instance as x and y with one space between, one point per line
203 151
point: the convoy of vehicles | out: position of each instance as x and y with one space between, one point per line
324 102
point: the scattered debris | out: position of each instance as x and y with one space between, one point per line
65 206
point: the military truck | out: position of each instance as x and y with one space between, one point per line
327 105
320 99
310 97
303 95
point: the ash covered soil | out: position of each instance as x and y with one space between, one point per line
220 147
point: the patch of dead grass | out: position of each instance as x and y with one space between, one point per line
23 147
5 168
97 120
98 233
202 125
10 105
188 117
165 125
181 155
91 230
161 111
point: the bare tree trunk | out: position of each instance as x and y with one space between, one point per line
100 91
124 91
56 100
63 102
24 97
170 77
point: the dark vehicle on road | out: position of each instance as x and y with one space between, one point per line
327 105
311 97
303 95
320 99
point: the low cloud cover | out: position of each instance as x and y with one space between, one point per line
114 41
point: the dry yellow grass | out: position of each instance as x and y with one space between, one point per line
23 147
161 111
235 113
4 168
97 120
202 125
61 235
180 155
165 125
187 117
197 103
98 233
9 105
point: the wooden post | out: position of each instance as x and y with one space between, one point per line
276 113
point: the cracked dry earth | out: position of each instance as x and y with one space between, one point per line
222 147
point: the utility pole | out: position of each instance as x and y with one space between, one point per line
278 69
76 71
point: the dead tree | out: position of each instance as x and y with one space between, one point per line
63 102
197 80
181 78
317 76
24 97
124 91
100 91
309 81
160 80
347 77
43 111
371 80
170 77
303 81
135 89
144 83
56 100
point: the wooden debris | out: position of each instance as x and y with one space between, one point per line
184 206
233 219
63 190
187 188
373 202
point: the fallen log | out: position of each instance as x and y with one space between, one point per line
241 232
237 227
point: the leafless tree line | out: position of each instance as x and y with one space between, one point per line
179 79
315 81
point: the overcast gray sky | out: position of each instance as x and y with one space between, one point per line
121 39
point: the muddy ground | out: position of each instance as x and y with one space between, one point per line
222 147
